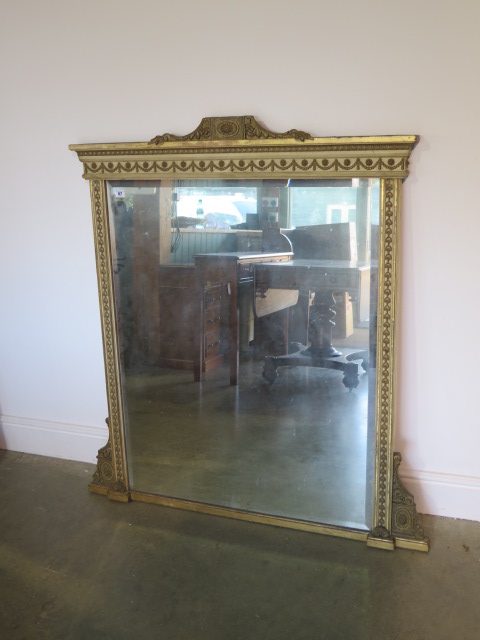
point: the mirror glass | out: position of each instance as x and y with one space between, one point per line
246 321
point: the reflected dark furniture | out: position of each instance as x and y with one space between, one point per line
218 278
324 277
337 241
177 318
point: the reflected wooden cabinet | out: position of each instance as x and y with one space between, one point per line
177 315
180 309
214 324
204 297
219 277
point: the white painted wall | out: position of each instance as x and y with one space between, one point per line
111 70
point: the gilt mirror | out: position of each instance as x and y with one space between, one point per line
247 292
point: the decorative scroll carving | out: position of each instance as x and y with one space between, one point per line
104 476
254 130
405 522
202 132
231 128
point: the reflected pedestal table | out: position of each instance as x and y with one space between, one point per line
324 277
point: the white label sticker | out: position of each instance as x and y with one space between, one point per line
119 193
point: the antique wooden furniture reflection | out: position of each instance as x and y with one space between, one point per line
324 278
178 316
219 277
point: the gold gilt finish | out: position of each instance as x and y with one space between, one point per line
406 528
240 147
389 190
111 475
233 128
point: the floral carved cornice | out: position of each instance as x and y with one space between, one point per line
241 147
245 166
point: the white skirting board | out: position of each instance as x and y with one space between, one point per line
452 496
58 440
443 494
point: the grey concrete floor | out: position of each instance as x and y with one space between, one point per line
74 565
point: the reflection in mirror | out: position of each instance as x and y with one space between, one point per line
246 315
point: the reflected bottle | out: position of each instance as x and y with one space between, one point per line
200 211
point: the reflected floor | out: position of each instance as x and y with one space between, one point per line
294 448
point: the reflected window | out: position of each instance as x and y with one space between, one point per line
210 207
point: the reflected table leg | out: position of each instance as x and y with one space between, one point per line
321 353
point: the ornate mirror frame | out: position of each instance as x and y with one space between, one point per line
236 148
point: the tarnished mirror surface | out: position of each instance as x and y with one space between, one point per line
294 446
247 289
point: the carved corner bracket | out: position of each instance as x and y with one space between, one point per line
231 128
406 530
103 480
406 527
